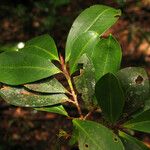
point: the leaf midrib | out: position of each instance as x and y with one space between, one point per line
62 111
106 60
110 101
57 108
43 50
27 67
96 19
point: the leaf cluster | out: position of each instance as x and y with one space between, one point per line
29 78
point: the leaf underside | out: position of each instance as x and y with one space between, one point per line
50 85
54 109
21 97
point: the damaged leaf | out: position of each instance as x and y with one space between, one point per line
84 43
85 82
135 84
94 136
18 96
50 85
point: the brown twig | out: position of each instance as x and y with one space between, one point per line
90 113
73 94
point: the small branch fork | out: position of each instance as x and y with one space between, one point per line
90 113
72 92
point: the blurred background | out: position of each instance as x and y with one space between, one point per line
21 20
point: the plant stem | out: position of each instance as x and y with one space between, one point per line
90 113
74 97
73 93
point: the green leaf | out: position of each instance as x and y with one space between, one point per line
54 109
43 45
135 84
94 136
19 68
21 97
50 85
74 136
98 18
36 51
106 57
132 143
110 97
85 82
84 43
140 123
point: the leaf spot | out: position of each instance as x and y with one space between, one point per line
139 80
86 145
115 139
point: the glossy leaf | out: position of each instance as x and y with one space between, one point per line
43 45
106 57
110 97
36 51
94 136
132 143
85 82
135 84
21 97
19 68
96 18
54 109
50 85
85 42
140 123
